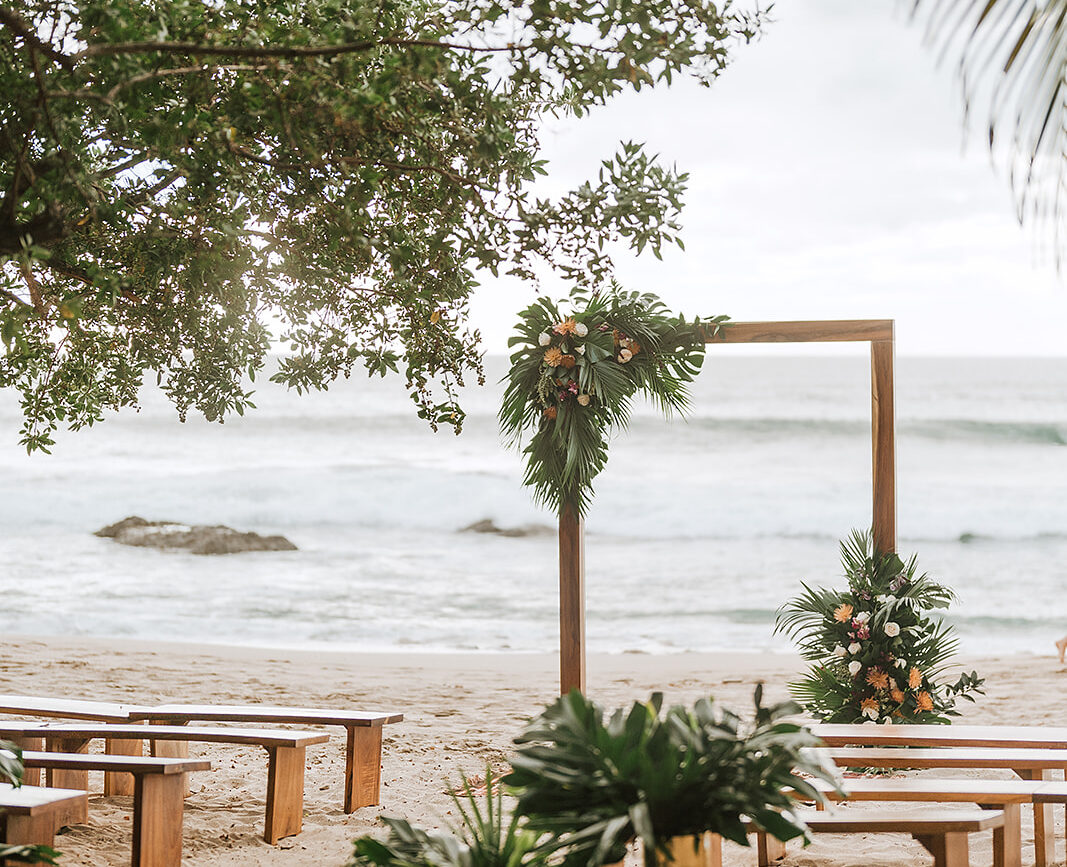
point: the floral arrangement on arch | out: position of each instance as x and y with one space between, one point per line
877 655
573 377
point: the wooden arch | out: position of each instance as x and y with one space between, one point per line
877 332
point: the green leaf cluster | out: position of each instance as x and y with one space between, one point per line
593 781
185 185
876 651
484 837
575 373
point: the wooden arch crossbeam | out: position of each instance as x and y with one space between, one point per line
880 334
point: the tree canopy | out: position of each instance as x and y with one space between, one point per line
184 183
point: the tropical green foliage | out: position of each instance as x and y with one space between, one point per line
594 782
575 374
485 837
876 652
10 763
1013 68
182 183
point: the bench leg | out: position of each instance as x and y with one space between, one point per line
172 749
285 793
685 851
30 776
768 849
28 831
157 820
116 783
949 849
59 778
1008 839
363 767
1044 828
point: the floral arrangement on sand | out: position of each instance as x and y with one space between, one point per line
573 377
877 655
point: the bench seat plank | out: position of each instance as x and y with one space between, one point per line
1036 737
256 737
64 708
35 800
947 757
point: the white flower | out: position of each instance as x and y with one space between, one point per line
901 663
580 349
839 651
545 338
580 329
892 629
862 617
886 599
855 647
870 712
583 399
625 355
854 667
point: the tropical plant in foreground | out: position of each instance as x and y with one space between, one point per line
485 837
593 781
876 653
575 374
11 771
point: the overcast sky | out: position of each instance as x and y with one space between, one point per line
829 178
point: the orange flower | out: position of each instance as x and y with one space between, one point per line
897 695
635 347
924 701
843 612
568 361
877 678
869 708
553 356
915 678
567 326
551 412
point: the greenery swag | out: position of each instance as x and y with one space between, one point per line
876 654
575 374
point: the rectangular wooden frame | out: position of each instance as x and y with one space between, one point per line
880 334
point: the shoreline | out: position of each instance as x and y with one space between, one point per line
462 711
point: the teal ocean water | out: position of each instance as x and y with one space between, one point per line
701 527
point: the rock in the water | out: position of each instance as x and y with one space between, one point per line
487 526
195 539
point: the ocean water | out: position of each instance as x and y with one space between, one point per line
701 528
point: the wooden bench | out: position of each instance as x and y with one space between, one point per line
158 798
286 756
942 833
28 815
363 754
64 708
1004 738
1006 795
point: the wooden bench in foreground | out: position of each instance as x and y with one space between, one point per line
158 798
29 814
942 833
363 755
1010 740
286 756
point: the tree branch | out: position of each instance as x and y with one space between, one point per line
101 49
21 27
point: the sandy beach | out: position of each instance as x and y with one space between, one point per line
461 713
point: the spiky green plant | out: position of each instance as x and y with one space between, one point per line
484 837
875 651
593 782
574 377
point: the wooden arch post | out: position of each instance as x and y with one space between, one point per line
880 334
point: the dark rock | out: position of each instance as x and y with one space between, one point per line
487 526
195 539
